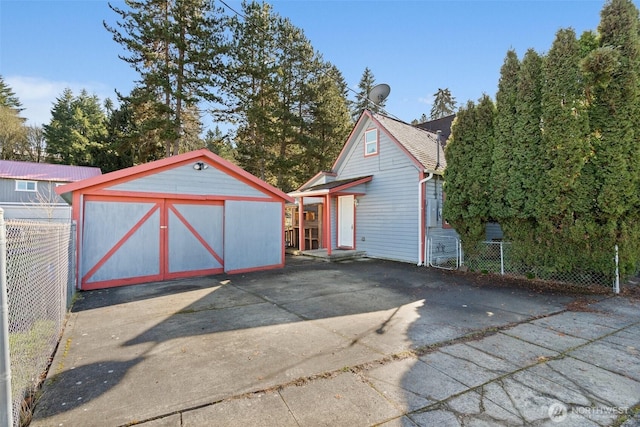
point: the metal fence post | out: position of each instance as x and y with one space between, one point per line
6 404
501 259
616 283
71 283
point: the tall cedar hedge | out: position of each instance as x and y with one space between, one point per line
558 166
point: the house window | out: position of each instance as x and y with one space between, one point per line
26 186
371 142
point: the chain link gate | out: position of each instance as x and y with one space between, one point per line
443 252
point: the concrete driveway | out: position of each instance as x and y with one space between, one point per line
365 342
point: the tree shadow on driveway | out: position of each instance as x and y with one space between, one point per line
188 343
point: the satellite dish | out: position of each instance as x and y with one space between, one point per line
379 93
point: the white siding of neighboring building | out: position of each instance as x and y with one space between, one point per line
37 212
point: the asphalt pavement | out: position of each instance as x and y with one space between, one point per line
358 343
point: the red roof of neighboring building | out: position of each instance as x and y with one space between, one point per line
46 171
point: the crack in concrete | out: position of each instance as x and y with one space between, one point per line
441 404
561 355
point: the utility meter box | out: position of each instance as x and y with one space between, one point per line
432 213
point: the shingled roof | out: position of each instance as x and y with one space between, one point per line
442 124
420 143
12 169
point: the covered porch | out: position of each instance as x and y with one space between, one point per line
322 219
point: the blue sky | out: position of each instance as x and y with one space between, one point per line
415 46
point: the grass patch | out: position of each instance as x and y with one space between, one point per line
30 353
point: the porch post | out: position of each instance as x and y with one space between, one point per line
327 228
301 224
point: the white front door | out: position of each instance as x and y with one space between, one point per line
345 222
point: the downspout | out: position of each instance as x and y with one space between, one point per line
438 133
421 219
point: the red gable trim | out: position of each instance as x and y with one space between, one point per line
135 172
347 143
380 126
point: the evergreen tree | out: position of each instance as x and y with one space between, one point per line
191 129
297 65
458 154
251 88
506 117
614 90
176 47
468 155
566 159
362 102
565 144
523 179
77 126
521 187
13 135
140 126
289 104
115 151
220 144
8 97
329 127
444 104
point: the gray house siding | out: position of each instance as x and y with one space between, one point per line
251 239
386 217
46 189
44 204
185 180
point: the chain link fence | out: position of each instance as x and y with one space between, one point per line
499 258
39 282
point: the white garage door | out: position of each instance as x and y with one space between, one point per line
128 240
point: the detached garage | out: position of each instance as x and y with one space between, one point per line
189 215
